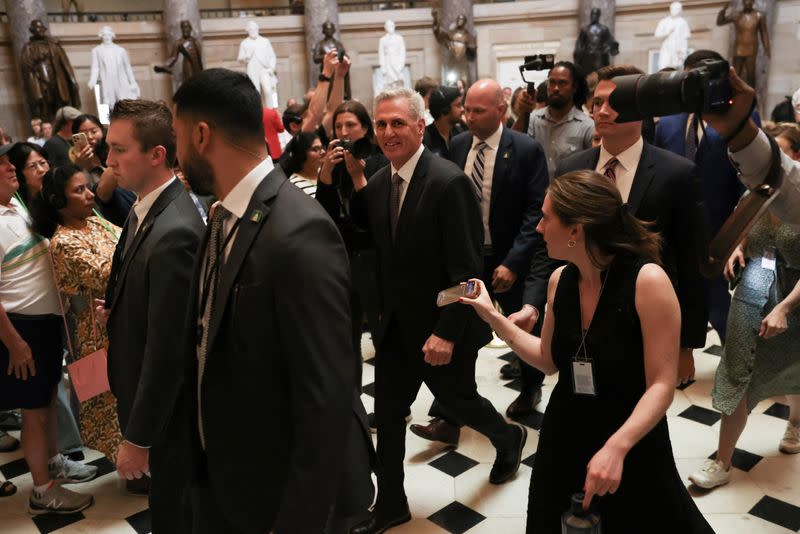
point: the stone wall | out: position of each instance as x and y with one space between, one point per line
506 32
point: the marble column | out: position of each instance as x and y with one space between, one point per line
20 14
770 9
608 11
176 11
448 13
317 12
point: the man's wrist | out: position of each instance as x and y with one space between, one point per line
143 447
742 139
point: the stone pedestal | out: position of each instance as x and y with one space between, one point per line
448 13
20 15
174 12
317 12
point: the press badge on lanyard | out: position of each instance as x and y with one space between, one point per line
583 382
768 259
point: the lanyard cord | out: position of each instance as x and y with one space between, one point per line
585 333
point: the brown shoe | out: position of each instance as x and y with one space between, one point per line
438 430
139 487
524 404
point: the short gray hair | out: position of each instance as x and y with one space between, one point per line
415 103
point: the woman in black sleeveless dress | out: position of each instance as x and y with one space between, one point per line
613 334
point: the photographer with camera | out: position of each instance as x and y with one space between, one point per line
351 158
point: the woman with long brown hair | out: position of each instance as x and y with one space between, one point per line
612 331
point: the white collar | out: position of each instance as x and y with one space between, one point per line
239 197
13 206
493 140
407 170
628 158
143 205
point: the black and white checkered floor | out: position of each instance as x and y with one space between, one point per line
449 491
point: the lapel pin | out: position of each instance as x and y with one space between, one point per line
505 155
256 216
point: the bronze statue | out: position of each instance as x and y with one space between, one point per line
188 47
748 24
595 45
461 47
66 5
324 46
47 74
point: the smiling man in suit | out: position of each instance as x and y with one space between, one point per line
148 291
509 173
660 187
425 221
279 437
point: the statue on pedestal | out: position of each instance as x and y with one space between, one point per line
324 46
256 51
111 67
392 57
461 47
748 24
675 31
47 74
188 48
595 45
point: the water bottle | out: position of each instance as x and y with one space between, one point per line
577 521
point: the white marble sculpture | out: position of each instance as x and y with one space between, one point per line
392 57
675 31
256 51
111 68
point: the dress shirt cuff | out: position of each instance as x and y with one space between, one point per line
753 161
129 442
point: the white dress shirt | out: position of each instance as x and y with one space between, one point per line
406 172
625 169
489 155
142 206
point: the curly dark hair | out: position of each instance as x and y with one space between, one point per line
578 80
43 207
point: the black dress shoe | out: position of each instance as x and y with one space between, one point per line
511 370
378 522
508 459
438 430
524 404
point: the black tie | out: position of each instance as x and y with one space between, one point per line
131 226
691 139
394 202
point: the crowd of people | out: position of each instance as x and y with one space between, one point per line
206 272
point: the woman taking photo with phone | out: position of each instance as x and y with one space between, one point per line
612 331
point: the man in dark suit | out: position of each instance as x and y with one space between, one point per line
682 135
147 295
512 171
661 187
423 216
279 437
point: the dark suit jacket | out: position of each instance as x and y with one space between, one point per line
149 293
666 190
721 187
278 387
519 182
438 245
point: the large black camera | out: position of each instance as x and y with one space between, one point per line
360 148
703 89
535 62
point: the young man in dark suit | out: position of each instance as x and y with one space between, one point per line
423 216
510 169
661 187
279 437
147 296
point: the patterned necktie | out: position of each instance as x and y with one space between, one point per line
609 169
214 256
131 227
394 202
477 169
690 150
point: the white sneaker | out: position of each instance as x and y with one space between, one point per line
58 500
68 471
790 444
711 475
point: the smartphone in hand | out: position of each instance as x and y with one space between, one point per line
79 141
452 294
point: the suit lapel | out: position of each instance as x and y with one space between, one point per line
501 168
164 199
641 180
415 187
249 226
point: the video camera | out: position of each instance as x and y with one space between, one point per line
533 63
702 89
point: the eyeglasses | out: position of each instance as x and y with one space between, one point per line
317 149
41 164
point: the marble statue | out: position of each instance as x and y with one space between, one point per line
461 50
595 45
188 48
392 57
748 24
675 31
324 45
47 74
111 68
256 51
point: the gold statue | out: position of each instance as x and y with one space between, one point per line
748 24
461 47
188 47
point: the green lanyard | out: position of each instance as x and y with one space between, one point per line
105 224
21 202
